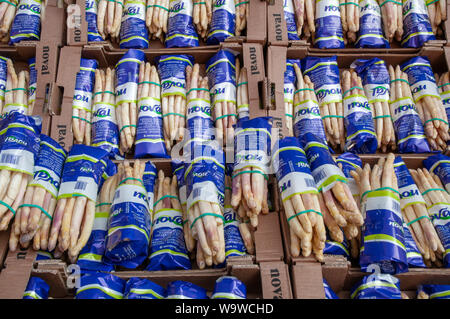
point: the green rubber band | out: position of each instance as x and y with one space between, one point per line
116 2
226 115
165 196
37 206
242 83
399 80
243 172
207 214
381 116
427 4
77 117
7 206
399 3
15 5
184 222
125 126
199 3
300 90
171 113
417 219
343 4
197 89
19 89
229 188
131 179
433 189
150 82
304 212
443 85
156 5
110 92
289 115
102 204
333 116
238 4
352 88
379 189
430 120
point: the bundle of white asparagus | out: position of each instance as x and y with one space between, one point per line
7 14
157 17
109 18
304 18
202 15
392 15
437 13
443 83
350 20
242 92
418 216
242 12
16 92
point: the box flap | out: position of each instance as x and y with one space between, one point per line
307 280
275 280
268 242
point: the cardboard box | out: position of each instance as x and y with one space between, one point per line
61 94
77 27
277 35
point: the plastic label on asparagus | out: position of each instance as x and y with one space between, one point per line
84 86
82 172
416 24
307 119
199 121
19 140
358 121
252 144
409 193
91 19
32 82
439 165
335 248
168 249
328 25
133 30
100 286
370 33
436 291
223 21
149 133
178 170
105 133
324 74
221 73
229 287
440 217
180 29
329 293
129 225
413 255
323 167
289 17
43 255
421 78
149 179
377 286
375 79
49 165
383 240
36 288
290 80
141 288
127 76
185 290
171 69
408 127
27 22
445 98
234 245
3 76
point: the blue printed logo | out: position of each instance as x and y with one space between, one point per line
219 3
151 108
197 109
43 175
409 193
443 214
332 9
168 84
379 90
419 88
177 220
357 104
102 112
321 94
404 108
308 111
140 195
89 5
31 7
177 7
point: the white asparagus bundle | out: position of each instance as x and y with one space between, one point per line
437 13
109 17
16 93
304 17
202 16
242 93
350 12
7 14
392 15
14 185
424 234
443 83
157 17
241 16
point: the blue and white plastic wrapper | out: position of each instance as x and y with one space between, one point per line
370 33
328 25
440 217
19 142
91 19
416 24
436 291
168 249
178 168
223 21
383 242
324 169
149 179
234 244
329 293
358 120
100 285
32 81
185 290
26 25
413 255
290 80
36 288
289 17
133 30
129 224
180 29
229 287
445 98
141 288
84 86
349 162
3 75
149 132
377 286
221 71
334 248
439 165
43 255
105 132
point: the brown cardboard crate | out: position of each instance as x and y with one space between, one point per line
277 35
77 27
61 93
